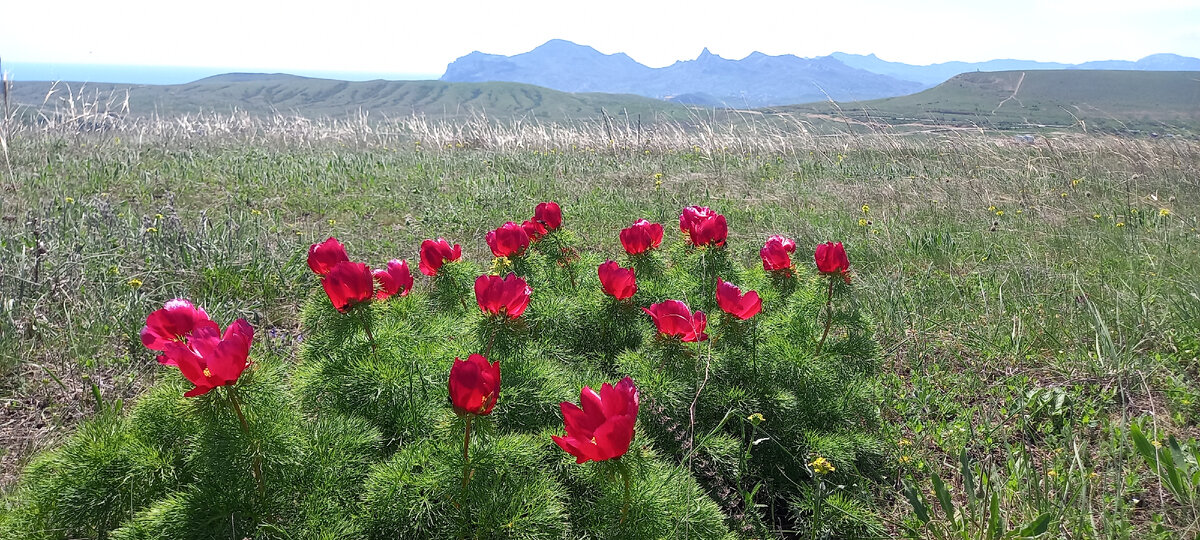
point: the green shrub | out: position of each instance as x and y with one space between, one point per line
358 439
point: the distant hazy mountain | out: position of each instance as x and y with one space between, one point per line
757 80
1154 62
754 81
938 73
126 74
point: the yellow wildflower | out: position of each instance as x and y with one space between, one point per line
499 264
822 466
1095 216
1164 212
158 216
1156 444
1052 473
256 212
905 459
135 283
905 442
991 209
1076 181
866 209
1064 194
756 418
151 229
658 176
1120 224
862 222
332 221
999 212
68 200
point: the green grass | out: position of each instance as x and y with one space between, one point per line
1032 303
1095 100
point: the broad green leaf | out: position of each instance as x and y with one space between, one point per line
1037 527
914 498
943 496
995 527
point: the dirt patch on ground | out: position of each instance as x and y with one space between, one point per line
41 404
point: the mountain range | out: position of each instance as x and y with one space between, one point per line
758 80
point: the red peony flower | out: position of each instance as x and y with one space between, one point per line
731 300
171 323
641 237
617 282
534 229
435 254
601 426
673 318
692 214
474 385
508 296
324 256
831 260
776 253
396 279
549 214
349 284
703 226
209 359
509 240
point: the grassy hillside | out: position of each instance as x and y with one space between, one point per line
1092 100
303 96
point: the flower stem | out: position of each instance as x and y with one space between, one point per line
366 322
625 476
754 347
491 341
256 467
828 315
466 474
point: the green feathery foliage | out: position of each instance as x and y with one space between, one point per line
358 439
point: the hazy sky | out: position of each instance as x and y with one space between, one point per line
422 37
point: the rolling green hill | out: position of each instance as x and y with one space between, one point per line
290 94
1095 100
1024 100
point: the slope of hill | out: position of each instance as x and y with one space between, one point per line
755 81
1091 99
268 93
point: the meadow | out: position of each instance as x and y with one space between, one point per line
1034 308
